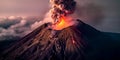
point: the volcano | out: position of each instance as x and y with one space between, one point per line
76 42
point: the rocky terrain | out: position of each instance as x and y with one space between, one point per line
80 42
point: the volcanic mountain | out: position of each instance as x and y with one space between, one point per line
76 42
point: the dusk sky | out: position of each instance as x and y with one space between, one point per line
19 17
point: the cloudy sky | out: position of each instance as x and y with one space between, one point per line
19 17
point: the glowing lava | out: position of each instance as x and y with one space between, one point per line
61 24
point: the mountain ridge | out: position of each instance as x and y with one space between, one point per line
74 42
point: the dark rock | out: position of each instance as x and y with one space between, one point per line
80 42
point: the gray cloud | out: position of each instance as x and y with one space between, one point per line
6 22
17 27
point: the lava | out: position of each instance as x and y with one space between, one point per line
59 10
64 22
61 24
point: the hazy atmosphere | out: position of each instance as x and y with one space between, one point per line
19 17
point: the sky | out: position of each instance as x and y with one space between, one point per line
19 17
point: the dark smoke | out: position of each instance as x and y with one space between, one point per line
62 8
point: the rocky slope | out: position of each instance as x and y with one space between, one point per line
80 42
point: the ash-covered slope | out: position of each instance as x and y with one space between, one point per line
80 42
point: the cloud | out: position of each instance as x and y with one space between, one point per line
6 22
17 27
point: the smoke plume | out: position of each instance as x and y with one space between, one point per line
61 8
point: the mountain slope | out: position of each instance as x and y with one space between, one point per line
74 42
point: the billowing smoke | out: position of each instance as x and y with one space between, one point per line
61 8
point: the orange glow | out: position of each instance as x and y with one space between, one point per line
62 24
